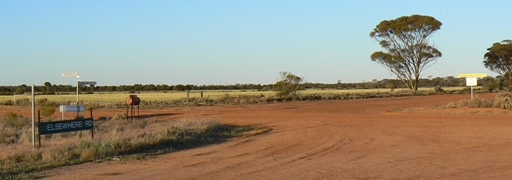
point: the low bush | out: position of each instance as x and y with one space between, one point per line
13 120
503 100
14 129
451 105
479 103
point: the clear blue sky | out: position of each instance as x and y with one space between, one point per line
228 42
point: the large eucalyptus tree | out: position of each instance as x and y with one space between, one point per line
406 44
499 59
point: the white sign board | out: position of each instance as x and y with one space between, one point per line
70 74
70 108
471 81
87 83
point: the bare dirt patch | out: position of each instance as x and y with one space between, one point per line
348 139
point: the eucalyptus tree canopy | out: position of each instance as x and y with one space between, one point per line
406 43
499 59
288 85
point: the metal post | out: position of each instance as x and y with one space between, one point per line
39 121
77 100
92 129
33 117
471 92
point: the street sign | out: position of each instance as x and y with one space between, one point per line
473 75
87 83
471 81
70 74
65 126
70 108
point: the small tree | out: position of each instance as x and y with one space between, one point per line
180 87
19 91
288 85
47 110
405 40
499 59
48 88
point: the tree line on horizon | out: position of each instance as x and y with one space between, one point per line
488 83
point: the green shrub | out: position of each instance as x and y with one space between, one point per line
451 105
438 89
119 116
23 102
479 103
7 103
13 120
47 110
503 100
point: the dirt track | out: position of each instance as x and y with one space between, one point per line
350 139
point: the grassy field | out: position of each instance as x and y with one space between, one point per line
120 97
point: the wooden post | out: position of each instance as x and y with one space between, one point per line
92 130
132 111
33 117
38 121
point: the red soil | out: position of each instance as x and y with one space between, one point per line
393 138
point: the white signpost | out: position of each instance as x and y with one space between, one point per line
77 80
471 80
70 108
33 117
78 83
70 74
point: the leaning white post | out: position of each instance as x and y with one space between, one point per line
77 100
77 84
33 117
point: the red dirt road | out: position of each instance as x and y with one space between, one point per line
395 138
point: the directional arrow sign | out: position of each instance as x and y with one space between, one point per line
69 74
87 83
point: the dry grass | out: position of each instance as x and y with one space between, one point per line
502 100
120 139
465 106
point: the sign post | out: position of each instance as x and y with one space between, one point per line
471 80
67 108
77 80
65 126
33 117
77 124
78 83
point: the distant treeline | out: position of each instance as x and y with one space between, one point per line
489 83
